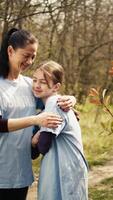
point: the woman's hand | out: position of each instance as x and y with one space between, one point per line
35 139
48 120
66 102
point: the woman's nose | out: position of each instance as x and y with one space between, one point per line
29 61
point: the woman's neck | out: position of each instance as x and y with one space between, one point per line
12 75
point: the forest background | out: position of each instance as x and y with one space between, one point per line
79 35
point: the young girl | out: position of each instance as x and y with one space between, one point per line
63 172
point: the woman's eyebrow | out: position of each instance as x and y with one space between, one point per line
26 53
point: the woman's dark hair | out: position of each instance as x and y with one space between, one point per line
17 38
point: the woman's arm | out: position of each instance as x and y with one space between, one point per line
66 102
44 119
3 125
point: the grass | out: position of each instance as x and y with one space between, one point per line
98 143
98 146
103 191
36 165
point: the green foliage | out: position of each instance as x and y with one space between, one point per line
103 191
98 144
101 99
36 164
107 126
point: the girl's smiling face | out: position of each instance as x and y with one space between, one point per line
42 87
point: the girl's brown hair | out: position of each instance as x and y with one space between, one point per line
52 71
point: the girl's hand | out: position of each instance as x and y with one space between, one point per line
35 139
49 120
66 102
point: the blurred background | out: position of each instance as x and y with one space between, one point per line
76 33
79 35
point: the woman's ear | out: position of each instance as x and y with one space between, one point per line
10 50
57 87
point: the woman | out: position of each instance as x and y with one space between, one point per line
63 172
17 114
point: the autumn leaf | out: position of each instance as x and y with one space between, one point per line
95 101
93 92
111 71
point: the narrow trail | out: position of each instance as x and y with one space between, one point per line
96 175
32 193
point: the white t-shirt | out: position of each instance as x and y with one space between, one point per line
16 100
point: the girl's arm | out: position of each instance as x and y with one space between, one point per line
44 119
41 143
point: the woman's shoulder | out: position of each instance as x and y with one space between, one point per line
27 79
1 79
3 82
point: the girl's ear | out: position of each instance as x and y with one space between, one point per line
57 87
10 50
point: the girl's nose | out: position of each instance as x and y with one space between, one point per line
38 85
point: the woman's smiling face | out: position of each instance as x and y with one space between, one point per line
22 58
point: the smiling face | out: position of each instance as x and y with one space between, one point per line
42 87
21 59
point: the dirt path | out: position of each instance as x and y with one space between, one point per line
96 175
32 193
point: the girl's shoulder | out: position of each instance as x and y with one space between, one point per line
52 105
52 100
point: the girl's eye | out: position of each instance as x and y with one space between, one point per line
43 82
39 82
34 80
